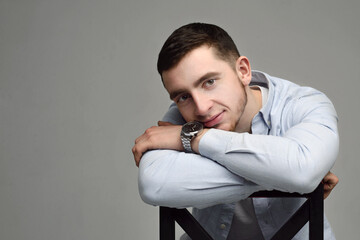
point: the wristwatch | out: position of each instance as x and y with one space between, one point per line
189 131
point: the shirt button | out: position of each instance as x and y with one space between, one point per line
222 226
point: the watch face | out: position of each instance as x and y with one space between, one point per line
192 127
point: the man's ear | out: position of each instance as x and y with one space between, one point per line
243 70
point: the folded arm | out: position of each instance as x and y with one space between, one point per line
177 179
234 165
296 162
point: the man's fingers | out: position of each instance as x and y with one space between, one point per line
164 136
329 186
138 151
146 135
136 156
330 181
143 143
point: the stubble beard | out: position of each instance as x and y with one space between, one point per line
241 108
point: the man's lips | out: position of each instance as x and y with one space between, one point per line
214 120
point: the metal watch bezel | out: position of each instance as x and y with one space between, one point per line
188 131
196 127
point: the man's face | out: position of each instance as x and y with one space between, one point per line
207 89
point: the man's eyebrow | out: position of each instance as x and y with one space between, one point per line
176 93
206 76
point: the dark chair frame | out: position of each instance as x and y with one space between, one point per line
311 211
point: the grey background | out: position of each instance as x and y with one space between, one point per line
78 84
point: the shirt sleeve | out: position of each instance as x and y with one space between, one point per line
177 179
296 161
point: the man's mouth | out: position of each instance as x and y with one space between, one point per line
214 120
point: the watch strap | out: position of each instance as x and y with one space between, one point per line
186 142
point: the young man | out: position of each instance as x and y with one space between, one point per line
231 132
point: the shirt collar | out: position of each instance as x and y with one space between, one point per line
263 79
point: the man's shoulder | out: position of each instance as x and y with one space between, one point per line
173 115
284 89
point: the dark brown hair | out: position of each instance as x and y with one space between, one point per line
191 36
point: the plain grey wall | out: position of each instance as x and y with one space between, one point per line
78 84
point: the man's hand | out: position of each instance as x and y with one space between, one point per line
329 181
164 136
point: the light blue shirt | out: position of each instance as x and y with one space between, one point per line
294 143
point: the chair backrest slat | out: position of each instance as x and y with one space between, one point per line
311 211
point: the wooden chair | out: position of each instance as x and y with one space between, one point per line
312 210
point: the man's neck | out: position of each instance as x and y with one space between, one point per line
252 107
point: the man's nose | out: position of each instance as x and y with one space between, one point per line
203 104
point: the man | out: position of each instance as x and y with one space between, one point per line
231 132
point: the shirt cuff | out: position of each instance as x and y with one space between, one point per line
214 144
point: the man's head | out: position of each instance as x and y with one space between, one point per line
206 77
191 36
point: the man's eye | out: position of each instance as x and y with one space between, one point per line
183 98
210 82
